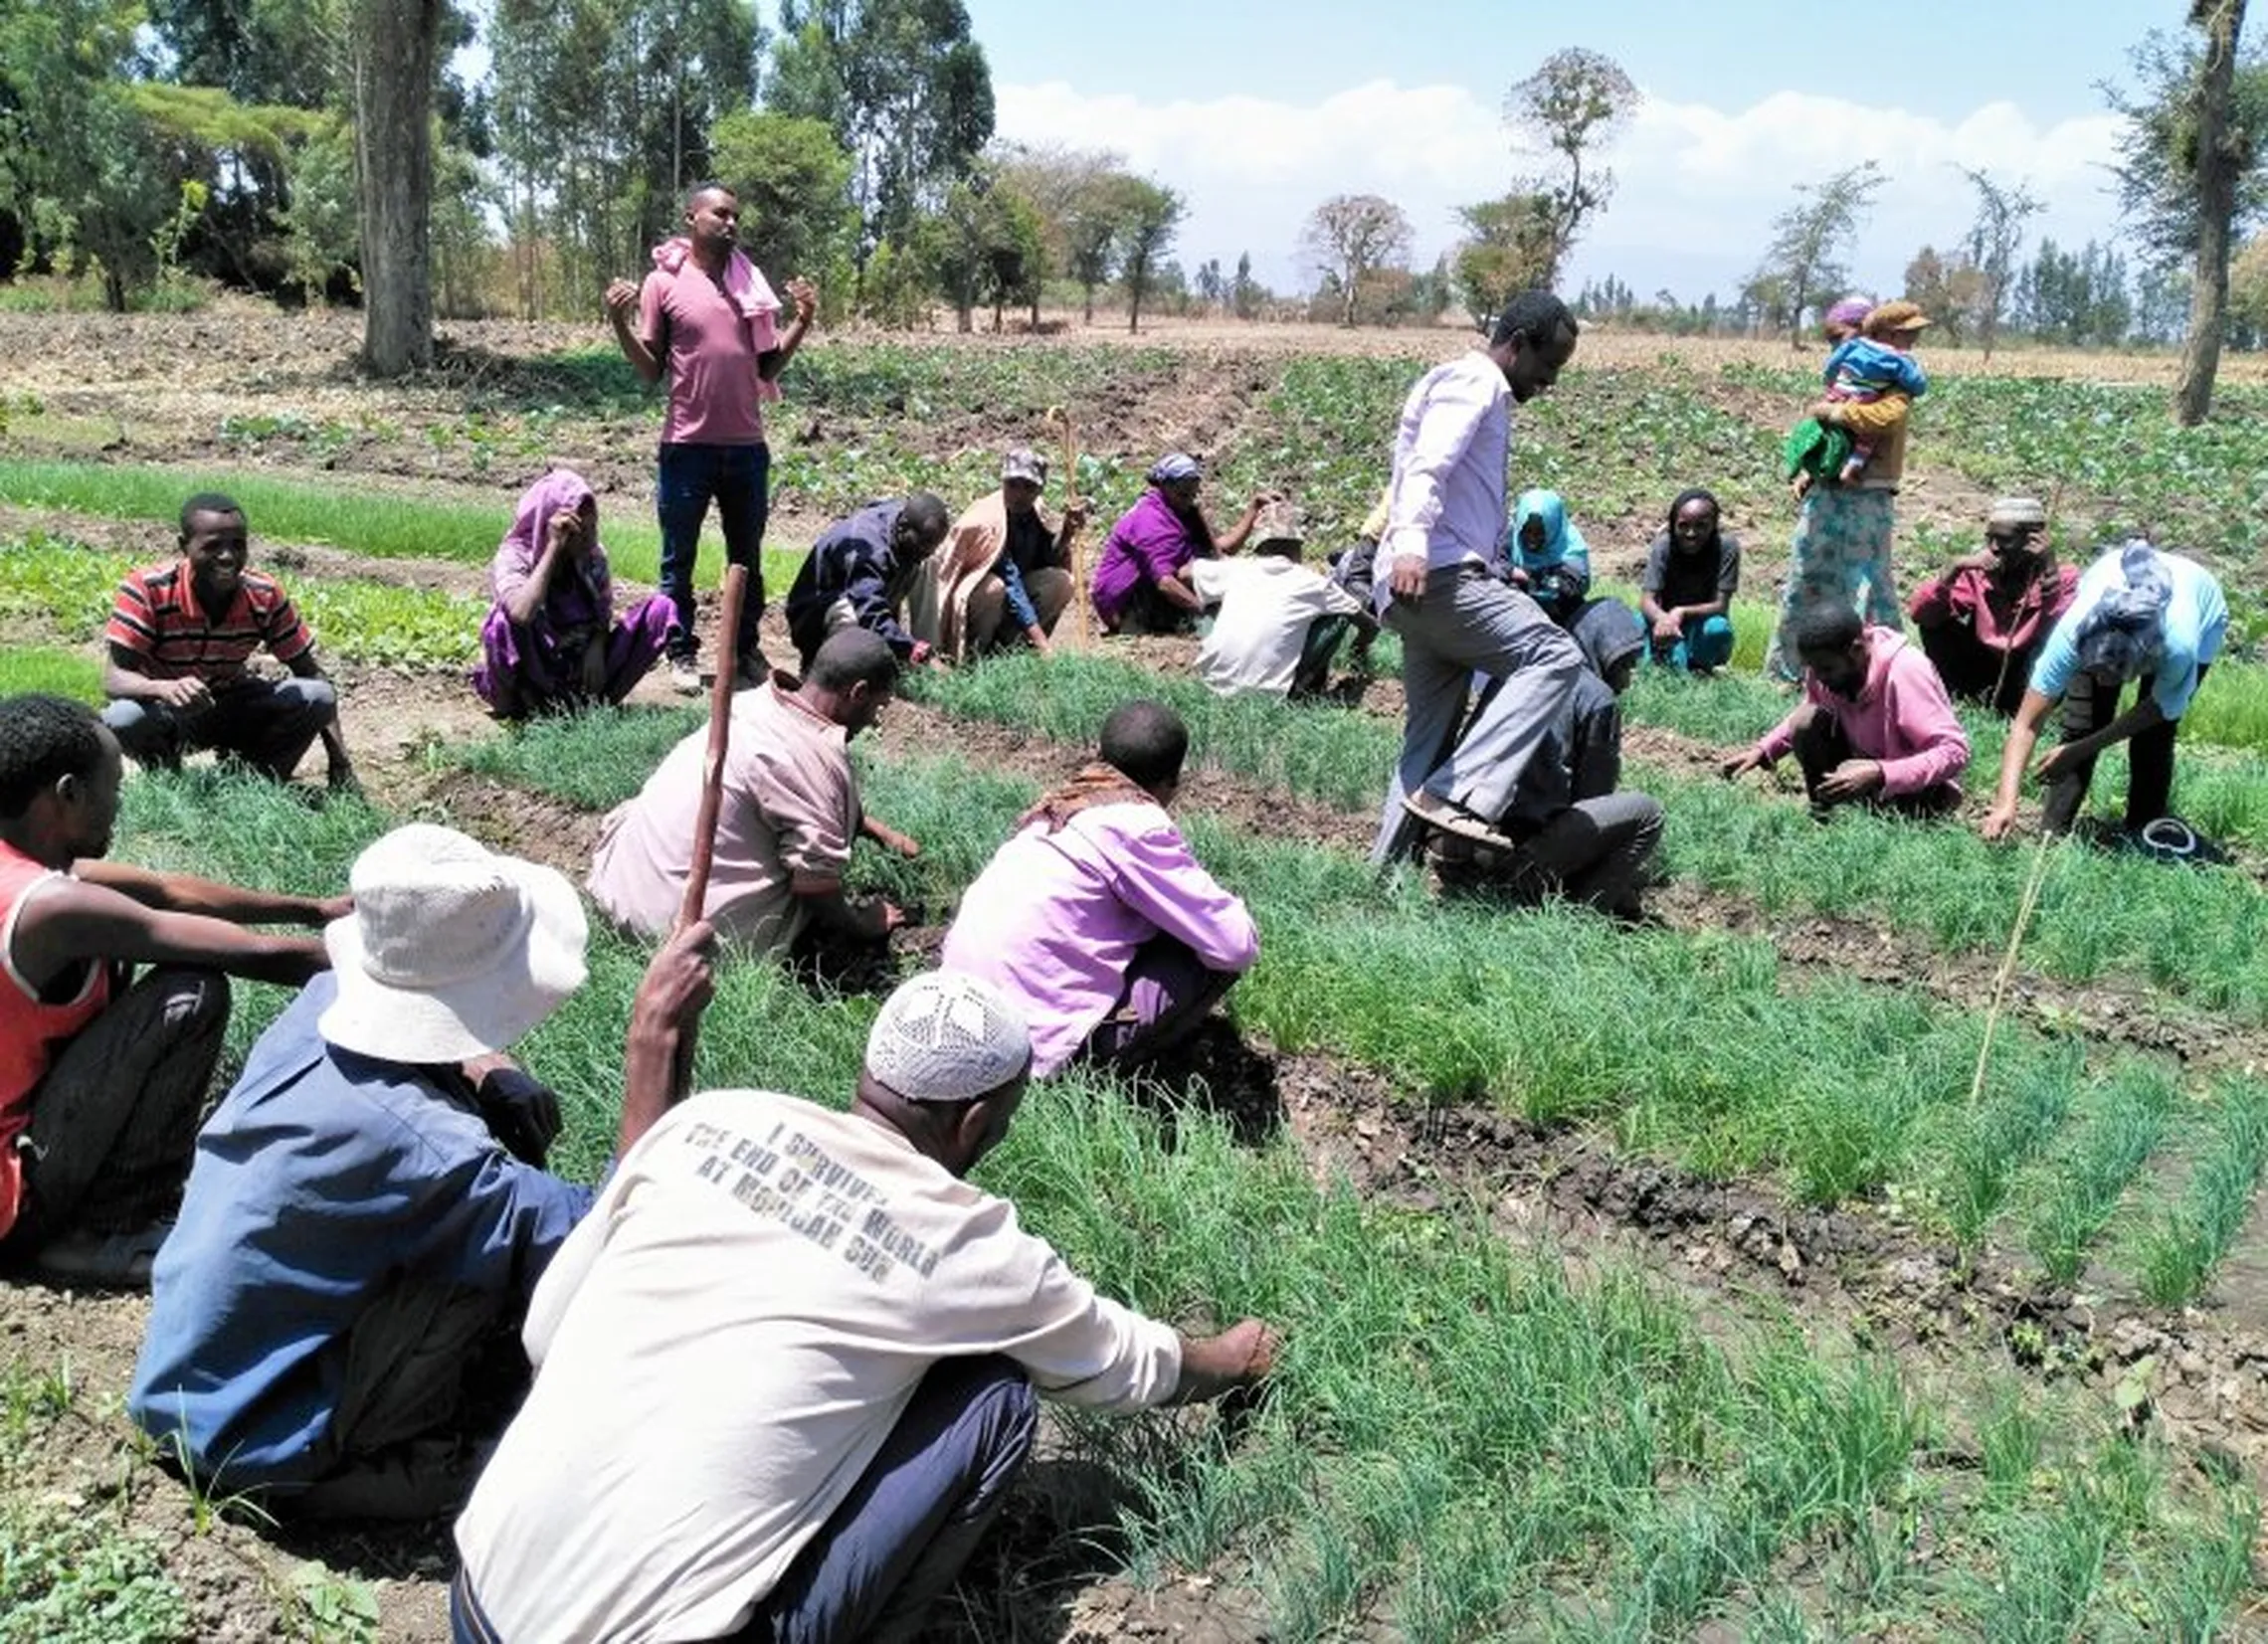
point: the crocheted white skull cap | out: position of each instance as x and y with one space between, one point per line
945 1037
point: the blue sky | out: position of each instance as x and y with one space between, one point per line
1259 110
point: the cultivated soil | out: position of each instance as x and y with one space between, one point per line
160 390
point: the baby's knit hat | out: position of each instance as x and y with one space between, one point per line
946 1038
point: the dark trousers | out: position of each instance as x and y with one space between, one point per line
267 723
1974 671
1325 635
398 1446
1168 992
1821 746
738 479
908 1527
115 1122
2089 704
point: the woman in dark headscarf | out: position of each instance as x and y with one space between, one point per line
1687 596
2141 613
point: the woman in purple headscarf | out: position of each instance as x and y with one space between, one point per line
551 640
1141 585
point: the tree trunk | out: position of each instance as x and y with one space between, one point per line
2216 207
395 44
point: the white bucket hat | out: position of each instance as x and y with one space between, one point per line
453 950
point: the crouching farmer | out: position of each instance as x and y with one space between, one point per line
368 1210
1096 918
102 1077
1875 726
785 1369
179 636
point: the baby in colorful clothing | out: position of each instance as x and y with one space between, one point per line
1865 367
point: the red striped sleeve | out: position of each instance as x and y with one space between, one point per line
133 624
281 628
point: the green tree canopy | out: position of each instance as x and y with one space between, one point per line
905 90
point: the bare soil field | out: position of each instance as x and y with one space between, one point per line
164 391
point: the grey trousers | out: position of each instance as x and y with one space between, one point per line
267 723
1468 622
114 1121
1598 851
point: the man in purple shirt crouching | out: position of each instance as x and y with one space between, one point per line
1096 918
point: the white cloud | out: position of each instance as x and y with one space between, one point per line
1697 186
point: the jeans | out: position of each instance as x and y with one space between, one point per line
905 1529
1466 623
270 724
738 478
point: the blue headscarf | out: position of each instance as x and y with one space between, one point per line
2125 634
1562 543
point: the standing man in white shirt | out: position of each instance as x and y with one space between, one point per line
785 1367
1440 587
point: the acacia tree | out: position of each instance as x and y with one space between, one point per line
1064 186
1811 239
395 44
1995 238
1350 236
1575 102
1149 215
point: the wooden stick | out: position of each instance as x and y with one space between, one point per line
2024 907
1082 636
719 741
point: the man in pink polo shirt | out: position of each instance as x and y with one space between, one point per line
1875 726
707 315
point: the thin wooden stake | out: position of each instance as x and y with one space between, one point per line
2024 907
1082 635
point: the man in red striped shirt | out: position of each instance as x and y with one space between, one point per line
179 636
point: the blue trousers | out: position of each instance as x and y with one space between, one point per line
1707 644
904 1531
738 479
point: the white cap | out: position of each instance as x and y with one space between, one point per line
947 1038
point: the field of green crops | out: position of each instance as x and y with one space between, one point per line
1647 1284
